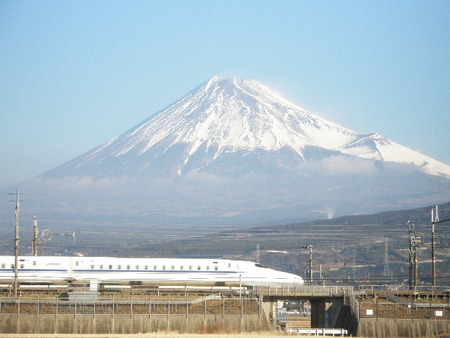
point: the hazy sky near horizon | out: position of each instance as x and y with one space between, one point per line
74 74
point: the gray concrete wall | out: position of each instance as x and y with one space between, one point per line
371 327
89 324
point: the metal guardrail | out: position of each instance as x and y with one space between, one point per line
319 332
410 304
305 291
117 307
354 304
403 288
117 301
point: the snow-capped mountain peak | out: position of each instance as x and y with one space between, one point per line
230 116
234 151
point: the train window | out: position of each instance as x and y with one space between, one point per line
199 267
12 266
110 267
137 267
128 267
101 266
21 266
207 268
229 265
155 267
3 266
190 267
34 262
173 267
164 267
181 267
119 267
77 263
92 267
146 267
216 268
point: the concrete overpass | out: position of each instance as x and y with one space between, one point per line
331 306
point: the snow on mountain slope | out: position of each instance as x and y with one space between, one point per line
240 114
233 152
223 116
229 115
376 147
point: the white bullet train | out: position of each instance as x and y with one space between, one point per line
151 271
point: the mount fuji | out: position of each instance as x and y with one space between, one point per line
234 152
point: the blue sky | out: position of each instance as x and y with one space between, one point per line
74 74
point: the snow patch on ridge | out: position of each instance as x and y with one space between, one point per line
374 146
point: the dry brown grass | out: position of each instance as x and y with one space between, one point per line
149 335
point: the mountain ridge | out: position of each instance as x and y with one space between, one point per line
230 115
232 151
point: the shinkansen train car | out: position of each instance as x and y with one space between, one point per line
156 271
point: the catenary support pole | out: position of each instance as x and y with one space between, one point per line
35 246
16 245
434 219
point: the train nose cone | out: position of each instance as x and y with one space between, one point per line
298 280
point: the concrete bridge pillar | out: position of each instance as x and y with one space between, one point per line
324 312
317 313
270 310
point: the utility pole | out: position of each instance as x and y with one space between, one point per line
354 275
310 264
411 259
35 246
386 270
16 245
311 273
415 241
322 282
434 220
257 254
